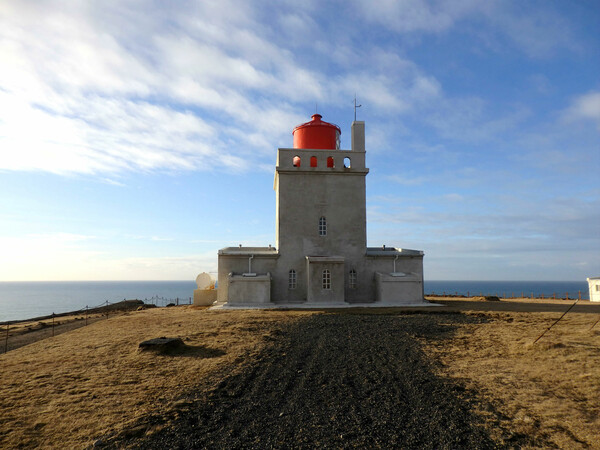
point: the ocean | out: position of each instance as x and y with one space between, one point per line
510 288
25 300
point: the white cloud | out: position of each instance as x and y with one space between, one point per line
416 15
409 180
112 87
538 32
484 235
585 107
43 256
67 256
85 94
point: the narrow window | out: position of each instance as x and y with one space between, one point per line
313 161
296 161
352 279
322 226
347 164
326 279
292 279
330 162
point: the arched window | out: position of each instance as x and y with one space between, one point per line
330 162
296 161
322 226
292 279
347 163
352 279
326 279
313 161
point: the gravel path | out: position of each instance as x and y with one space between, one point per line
333 381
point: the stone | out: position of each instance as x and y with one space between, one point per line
162 345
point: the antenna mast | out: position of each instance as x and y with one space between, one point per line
355 106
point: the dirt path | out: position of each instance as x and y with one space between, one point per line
18 333
332 380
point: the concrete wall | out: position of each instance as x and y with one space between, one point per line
204 297
249 290
305 194
314 282
398 290
237 264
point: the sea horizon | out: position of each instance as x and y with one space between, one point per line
21 300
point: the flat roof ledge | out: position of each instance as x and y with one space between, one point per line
249 251
325 259
392 251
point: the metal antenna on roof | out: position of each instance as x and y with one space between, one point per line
355 106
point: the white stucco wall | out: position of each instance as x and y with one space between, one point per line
594 285
246 290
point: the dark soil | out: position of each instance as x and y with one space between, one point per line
335 380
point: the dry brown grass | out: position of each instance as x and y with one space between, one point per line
66 391
550 389
27 332
69 390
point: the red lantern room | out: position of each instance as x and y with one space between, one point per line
317 134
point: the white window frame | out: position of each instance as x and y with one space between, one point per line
292 279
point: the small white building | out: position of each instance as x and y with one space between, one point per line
321 255
594 285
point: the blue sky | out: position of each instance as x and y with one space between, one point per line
137 137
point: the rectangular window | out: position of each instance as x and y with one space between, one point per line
322 226
326 279
292 279
352 279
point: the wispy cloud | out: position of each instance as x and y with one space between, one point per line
585 107
159 239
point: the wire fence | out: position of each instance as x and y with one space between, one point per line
47 325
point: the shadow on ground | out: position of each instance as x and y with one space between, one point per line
330 380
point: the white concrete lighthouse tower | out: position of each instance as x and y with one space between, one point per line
321 217
321 255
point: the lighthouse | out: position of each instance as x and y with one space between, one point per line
321 255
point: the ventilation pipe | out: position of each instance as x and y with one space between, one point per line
394 273
250 273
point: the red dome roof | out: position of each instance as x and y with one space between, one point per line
317 134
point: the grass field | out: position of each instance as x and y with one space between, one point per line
90 383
